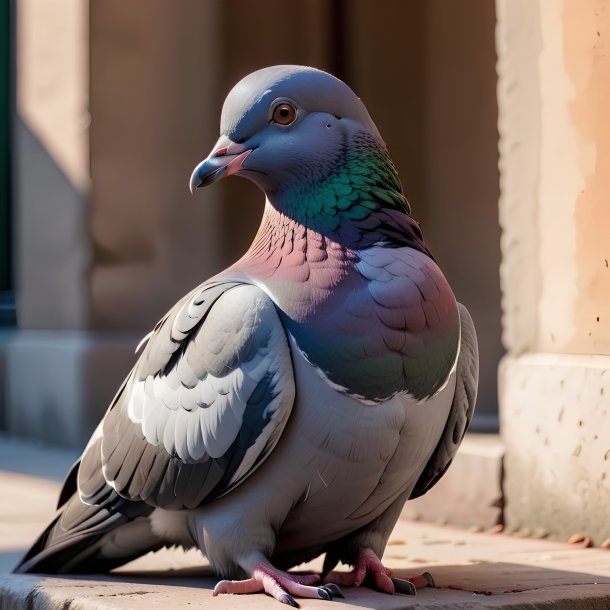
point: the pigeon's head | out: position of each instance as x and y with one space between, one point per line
279 121
307 141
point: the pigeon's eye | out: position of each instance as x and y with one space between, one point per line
284 114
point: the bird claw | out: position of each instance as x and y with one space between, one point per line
287 599
333 590
430 580
324 594
410 585
404 586
370 572
280 585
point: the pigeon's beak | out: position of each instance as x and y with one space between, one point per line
225 159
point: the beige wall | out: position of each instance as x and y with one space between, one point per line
575 183
51 161
518 43
555 141
556 173
158 82
153 88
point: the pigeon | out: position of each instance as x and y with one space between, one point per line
289 406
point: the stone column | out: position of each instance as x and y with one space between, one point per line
51 192
51 180
554 92
116 103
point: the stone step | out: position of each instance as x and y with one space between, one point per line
471 570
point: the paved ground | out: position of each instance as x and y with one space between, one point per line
472 570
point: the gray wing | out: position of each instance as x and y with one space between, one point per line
462 408
203 407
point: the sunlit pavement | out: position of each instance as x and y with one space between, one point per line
471 570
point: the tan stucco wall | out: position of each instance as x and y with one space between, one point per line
555 162
51 161
553 96
157 87
575 177
518 43
53 80
153 99
587 52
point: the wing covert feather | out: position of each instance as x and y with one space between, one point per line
204 405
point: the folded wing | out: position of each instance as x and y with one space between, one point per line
202 408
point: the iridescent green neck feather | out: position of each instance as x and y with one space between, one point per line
362 182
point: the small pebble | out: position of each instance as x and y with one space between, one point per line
605 544
475 529
584 541
497 529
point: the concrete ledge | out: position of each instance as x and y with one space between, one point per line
472 570
555 424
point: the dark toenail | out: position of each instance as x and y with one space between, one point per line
430 580
334 590
404 586
324 593
289 600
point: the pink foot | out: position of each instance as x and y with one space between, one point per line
369 566
280 585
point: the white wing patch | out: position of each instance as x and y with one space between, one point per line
196 408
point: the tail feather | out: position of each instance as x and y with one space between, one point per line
83 538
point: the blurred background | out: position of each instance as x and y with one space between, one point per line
116 102
106 106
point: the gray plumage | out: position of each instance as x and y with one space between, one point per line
289 406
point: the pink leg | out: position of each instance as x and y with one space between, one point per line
280 585
369 565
